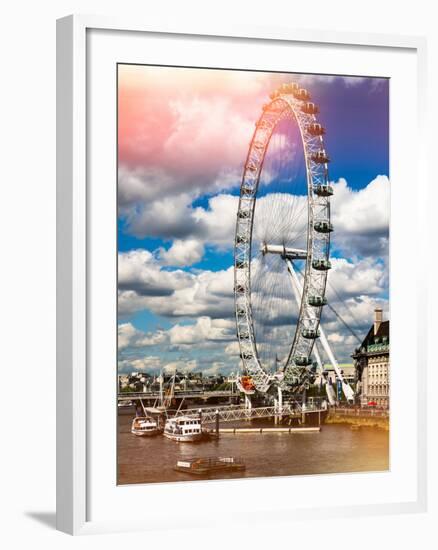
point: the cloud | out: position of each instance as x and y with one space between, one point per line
166 217
233 348
218 367
181 366
182 253
145 284
194 122
204 293
155 364
218 221
209 294
129 336
349 278
204 330
361 218
139 272
143 364
184 133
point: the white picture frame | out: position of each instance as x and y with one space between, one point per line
74 218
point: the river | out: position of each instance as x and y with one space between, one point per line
335 449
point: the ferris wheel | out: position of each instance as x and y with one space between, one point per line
282 243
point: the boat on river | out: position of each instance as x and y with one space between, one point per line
183 429
144 426
210 465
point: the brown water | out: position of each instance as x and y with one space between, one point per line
335 449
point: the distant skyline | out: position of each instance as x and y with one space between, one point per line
183 138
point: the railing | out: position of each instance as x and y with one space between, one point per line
233 413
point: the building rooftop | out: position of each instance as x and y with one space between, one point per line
376 340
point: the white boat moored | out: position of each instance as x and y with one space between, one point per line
144 426
183 428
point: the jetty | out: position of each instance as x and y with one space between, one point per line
284 429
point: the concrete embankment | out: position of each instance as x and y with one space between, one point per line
358 419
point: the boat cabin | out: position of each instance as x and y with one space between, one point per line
183 425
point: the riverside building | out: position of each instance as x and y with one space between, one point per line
372 362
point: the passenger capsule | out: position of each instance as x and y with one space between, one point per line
290 88
315 129
323 190
310 333
241 239
310 109
323 226
320 157
246 190
317 301
302 94
321 265
302 361
243 214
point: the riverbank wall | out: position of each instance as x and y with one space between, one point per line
359 418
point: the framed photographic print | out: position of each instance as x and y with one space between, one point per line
234 299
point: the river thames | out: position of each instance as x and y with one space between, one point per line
335 449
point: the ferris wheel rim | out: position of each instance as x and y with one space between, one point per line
317 264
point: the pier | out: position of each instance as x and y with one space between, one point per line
269 430
234 413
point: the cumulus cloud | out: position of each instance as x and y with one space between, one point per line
361 218
155 364
168 116
204 330
139 272
184 133
233 348
355 278
139 364
182 252
180 366
129 336
210 294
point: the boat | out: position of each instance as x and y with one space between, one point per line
209 465
144 426
183 428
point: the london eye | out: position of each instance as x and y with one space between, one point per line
282 245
